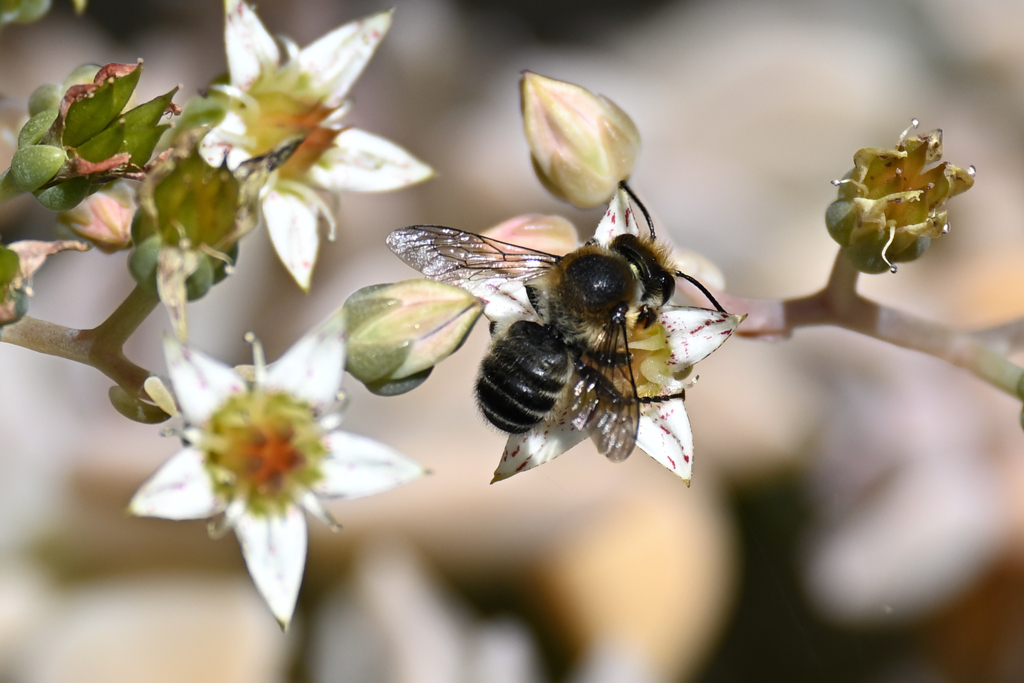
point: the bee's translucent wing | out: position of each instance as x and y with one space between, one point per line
606 405
465 259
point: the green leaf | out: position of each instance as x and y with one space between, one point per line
104 145
90 115
142 131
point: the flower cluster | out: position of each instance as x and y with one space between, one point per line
890 206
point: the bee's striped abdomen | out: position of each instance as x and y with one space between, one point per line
522 377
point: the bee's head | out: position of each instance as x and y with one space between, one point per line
658 283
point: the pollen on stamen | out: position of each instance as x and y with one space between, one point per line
914 123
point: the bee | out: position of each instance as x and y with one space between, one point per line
577 355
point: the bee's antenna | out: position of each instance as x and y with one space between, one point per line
703 290
636 200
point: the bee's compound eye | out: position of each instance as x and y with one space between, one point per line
599 281
667 284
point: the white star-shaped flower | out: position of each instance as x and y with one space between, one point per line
304 92
260 452
663 355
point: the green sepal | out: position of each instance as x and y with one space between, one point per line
105 144
866 256
90 115
65 195
35 128
142 132
399 386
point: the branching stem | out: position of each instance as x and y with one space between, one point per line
838 304
100 347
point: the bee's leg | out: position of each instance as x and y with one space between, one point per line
647 316
662 399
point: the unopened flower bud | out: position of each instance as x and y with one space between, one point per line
890 206
22 11
551 234
46 96
398 332
105 218
582 144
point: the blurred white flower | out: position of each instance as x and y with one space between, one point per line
261 451
271 97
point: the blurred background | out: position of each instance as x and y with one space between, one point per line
857 510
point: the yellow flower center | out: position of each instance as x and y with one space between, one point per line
280 117
651 353
265 448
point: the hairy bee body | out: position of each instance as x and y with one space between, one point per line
577 356
579 298
522 376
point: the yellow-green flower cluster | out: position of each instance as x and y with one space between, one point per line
891 204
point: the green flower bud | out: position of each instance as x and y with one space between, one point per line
199 282
44 97
65 195
32 167
890 207
82 75
35 128
142 263
398 332
582 144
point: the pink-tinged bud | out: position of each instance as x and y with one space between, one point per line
582 144
551 234
398 332
105 218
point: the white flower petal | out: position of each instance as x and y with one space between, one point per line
313 367
200 383
357 466
363 162
251 50
274 549
293 231
504 301
180 489
693 333
665 435
618 219
335 61
314 506
544 442
226 141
